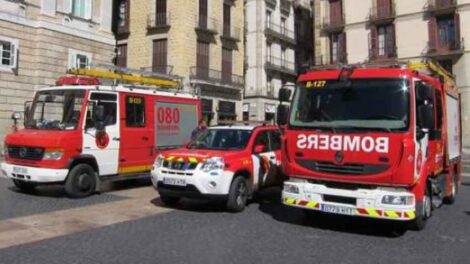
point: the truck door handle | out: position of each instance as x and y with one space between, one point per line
115 138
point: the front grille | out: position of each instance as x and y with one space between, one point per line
27 153
339 199
179 166
343 169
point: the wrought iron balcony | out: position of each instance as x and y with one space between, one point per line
333 24
206 24
280 65
449 48
380 14
285 6
162 69
231 33
279 32
271 3
440 7
216 76
159 20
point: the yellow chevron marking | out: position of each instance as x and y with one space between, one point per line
311 204
289 201
192 160
411 214
391 214
372 212
170 158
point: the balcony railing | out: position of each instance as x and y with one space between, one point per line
280 32
231 32
216 76
271 3
333 24
163 69
382 14
158 20
440 7
207 24
281 65
449 48
285 6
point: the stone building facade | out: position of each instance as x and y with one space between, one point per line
41 39
199 40
382 31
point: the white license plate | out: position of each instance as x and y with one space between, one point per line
174 181
337 209
20 170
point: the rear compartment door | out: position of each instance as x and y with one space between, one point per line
453 127
265 164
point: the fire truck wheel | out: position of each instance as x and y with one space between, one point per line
170 200
238 195
423 212
450 199
81 181
24 186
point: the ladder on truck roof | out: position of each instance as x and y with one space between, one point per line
130 76
432 68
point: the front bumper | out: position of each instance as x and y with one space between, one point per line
358 202
210 184
33 174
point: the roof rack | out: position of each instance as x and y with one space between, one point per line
433 68
130 76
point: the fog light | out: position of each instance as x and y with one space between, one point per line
398 200
290 188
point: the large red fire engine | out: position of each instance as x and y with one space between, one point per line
373 141
82 132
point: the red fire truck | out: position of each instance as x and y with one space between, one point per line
372 141
82 132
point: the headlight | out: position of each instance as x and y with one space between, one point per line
53 154
290 188
398 200
211 164
159 161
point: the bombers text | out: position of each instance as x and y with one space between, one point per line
343 143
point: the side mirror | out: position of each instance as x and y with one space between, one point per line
426 116
423 92
282 115
259 149
284 95
27 111
99 118
16 116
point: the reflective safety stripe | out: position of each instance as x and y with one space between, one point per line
392 214
373 212
192 160
410 214
170 158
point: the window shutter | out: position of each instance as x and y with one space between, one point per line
432 27
343 49
106 14
13 56
458 40
48 7
67 6
88 9
373 42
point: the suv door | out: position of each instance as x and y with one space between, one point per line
265 162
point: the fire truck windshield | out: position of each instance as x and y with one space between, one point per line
356 104
56 110
222 139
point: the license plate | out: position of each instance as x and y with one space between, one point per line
174 181
337 209
20 170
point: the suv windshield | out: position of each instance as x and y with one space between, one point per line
364 104
56 110
224 139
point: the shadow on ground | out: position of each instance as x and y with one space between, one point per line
269 203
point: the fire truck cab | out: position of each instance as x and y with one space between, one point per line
378 141
79 135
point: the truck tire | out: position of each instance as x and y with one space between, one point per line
238 195
26 187
81 181
169 200
423 212
450 199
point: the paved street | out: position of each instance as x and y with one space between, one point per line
129 225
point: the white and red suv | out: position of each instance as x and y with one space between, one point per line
223 162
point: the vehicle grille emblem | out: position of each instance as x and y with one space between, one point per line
339 157
23 152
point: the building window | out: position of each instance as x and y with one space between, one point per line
160 56
269 86
8 52
446 30
122 55
334 47
227 20
161 14
227 65
79 59
135 111
283 25
283 57
82 8
268 19
202 59
382 34
385 41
